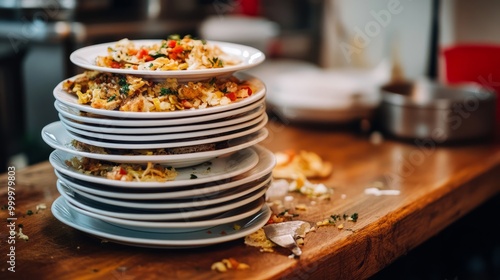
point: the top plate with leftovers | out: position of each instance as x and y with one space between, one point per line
174 57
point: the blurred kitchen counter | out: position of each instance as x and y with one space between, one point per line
438 185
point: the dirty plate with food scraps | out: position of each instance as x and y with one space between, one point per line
246 56
262 171
71 100
218 169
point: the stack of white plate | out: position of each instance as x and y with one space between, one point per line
217 195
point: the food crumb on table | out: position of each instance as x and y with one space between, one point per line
21 235
228 264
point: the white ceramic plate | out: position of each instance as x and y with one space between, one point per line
71 100
105 135
218 169
76 115
181 214
231 216
138 145
248 57
122 235
237 120
255 175
197 202
58 138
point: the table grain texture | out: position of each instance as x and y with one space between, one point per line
438 185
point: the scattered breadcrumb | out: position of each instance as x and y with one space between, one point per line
40 206
290 165
260 240
228 264
21 235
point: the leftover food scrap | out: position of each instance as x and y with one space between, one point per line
291 165
338 220
123 172
259 239
130 93
174 53
228 264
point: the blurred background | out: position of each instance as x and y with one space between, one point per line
384 39
343 50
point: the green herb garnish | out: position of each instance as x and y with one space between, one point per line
158 55
165 91
124 89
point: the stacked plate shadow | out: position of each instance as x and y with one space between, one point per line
217 195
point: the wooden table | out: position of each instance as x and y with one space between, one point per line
438 186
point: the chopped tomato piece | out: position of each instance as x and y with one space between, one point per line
148 58
123 171
231 96
171 43
178 49
142 53
115 64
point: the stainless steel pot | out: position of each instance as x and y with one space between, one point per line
437 112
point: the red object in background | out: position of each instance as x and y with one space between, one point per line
250 7
475 63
